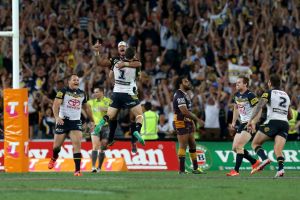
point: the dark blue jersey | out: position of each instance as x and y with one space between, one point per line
245 103
181 99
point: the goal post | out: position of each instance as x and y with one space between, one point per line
15 107
15 34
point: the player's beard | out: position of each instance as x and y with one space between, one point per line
188 87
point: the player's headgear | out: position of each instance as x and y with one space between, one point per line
122 43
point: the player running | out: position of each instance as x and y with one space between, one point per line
184 125
276 125
67 107
125 70
244 102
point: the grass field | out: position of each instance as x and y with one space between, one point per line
149 186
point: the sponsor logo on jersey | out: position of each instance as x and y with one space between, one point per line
280 111
74 102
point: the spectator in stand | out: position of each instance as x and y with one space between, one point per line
48 124
164 129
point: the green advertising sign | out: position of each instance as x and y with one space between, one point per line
219 156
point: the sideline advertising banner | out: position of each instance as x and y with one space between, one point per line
156 155
16 130
219 156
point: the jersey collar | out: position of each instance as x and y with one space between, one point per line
183 92
72 90
247 91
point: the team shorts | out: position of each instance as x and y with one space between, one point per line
243 127
69 125
104 133
183 127
275 127
124 100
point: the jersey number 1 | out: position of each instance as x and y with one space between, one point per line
122 74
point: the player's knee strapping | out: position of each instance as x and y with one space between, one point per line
193 154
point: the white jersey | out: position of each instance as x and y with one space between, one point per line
245 103
72 103
278 105
125 78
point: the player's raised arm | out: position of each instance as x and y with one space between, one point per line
100 60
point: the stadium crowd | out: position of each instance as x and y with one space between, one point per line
196 38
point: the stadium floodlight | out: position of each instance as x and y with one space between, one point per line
15 37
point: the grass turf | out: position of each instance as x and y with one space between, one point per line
149 186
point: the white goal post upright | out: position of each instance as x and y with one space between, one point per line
15 41
15 101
